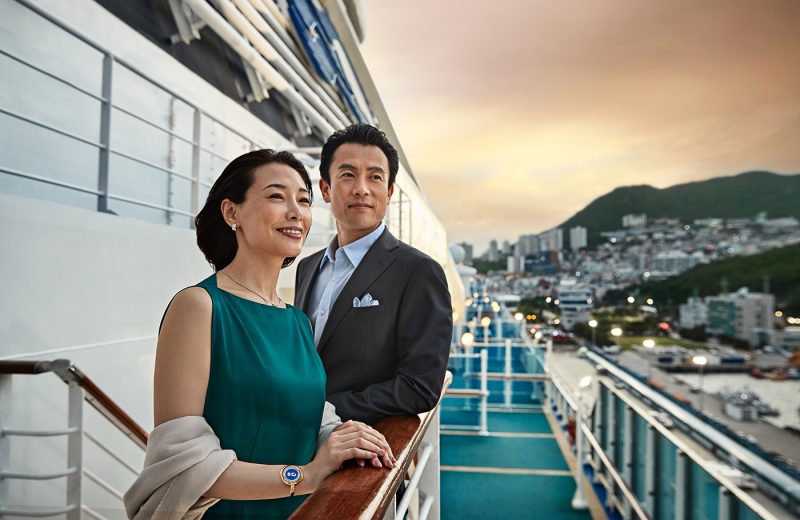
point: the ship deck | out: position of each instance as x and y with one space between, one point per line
518 470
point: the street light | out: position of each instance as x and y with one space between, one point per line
593 325
519 316
701 362
648 344
485 322
616 332
630 299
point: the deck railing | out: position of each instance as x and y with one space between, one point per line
369 493
350 493
81 389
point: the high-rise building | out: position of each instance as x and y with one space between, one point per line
506 250
527 245
742 315
493 255
551 240
469 252
578 238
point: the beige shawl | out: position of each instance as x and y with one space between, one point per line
183 460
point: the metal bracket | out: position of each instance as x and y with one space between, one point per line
302 121
188 23
258 86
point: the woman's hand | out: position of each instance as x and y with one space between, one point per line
350 440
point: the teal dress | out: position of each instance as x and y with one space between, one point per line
266 392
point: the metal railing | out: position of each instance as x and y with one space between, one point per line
80 389
352 493
108 109
481 393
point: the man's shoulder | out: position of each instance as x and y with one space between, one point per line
417 260
313 258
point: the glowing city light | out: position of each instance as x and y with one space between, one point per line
467 339
616 332
649 343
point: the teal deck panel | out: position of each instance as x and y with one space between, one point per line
483 495
501 452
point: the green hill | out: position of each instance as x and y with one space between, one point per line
781 265
742 195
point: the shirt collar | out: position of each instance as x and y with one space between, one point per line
354 251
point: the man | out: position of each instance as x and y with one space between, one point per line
380 309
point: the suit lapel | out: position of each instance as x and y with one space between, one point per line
374 263
307 278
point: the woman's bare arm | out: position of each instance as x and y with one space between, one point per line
183 361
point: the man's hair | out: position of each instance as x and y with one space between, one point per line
359 133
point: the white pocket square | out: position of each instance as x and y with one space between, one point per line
366 301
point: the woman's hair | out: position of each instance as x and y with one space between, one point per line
214 237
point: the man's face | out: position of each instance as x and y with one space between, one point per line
359 190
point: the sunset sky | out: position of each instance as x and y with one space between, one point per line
515 114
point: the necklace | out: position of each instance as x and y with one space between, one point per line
268 302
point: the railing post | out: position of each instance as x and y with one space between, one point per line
726 510
628 450
104 158
75 449
5 440
429 482
650 469
485 391
196 135
681 484
507 384
579 499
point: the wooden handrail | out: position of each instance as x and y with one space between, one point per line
366 493
101 402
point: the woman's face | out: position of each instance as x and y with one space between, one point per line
275 216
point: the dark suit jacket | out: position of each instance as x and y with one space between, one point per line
389 359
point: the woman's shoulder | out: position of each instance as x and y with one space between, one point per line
195 298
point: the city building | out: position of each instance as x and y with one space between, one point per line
552 240
693 313
632 220
575 302
469 252
787 339
578 238
494 254
742 315
671 263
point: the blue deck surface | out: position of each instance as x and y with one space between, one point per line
518 470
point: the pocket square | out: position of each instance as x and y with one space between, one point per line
366 301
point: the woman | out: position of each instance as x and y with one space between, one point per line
237 364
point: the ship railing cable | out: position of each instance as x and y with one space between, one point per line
369 493
80 389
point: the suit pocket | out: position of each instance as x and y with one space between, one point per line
367 311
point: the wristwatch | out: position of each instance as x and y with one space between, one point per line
291 476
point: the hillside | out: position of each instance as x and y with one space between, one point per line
781 265
743 195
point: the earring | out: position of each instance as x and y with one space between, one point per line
233 226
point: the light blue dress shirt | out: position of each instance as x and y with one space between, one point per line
335 269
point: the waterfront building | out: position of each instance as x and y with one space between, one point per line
575 302
693 313
742 315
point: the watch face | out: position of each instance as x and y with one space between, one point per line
291 474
